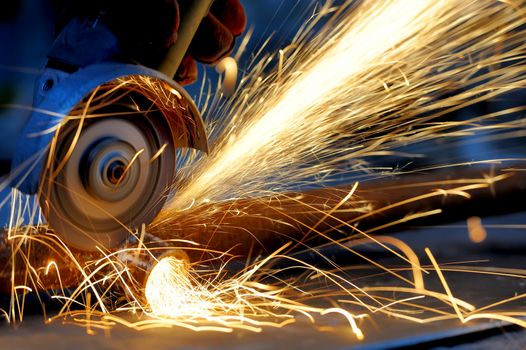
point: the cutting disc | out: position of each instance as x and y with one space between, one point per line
108 174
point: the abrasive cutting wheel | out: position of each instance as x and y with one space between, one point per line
109 174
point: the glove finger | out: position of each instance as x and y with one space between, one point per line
212 41
231 14
187 71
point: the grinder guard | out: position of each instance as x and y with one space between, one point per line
29 158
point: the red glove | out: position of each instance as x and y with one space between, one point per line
146 28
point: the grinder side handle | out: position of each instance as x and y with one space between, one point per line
190 21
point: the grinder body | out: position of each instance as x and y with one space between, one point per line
99 146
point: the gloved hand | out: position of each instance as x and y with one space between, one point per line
146 28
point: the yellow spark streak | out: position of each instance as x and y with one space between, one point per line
26 288
445 284
158 153
384 27
349 317
51 263
474 315
174 299
128 167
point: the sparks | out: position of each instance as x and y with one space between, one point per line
359 94
371 81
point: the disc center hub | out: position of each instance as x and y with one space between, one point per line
107 170
115 172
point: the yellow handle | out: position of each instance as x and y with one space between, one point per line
190 21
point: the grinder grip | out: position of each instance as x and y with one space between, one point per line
190 21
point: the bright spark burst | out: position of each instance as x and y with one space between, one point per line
234 303
373 80
171 293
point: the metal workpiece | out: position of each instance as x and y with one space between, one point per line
260 226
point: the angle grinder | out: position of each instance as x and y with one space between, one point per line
99 148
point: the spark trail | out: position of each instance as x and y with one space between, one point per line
359 89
